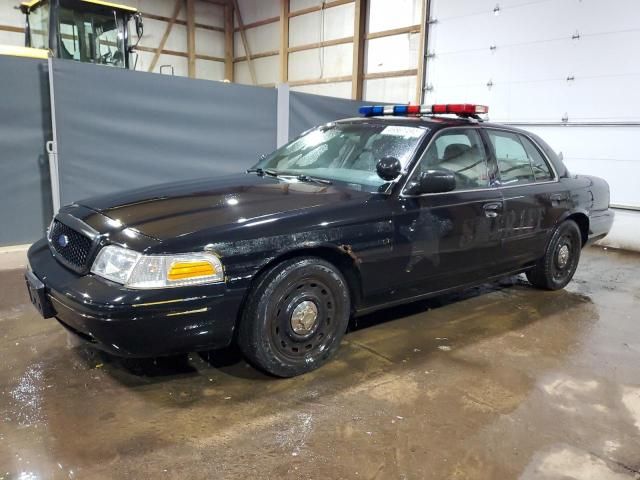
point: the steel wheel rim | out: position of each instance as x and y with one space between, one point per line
309 296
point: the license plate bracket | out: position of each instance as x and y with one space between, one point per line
38 295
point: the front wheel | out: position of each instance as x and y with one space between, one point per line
555 270
295 317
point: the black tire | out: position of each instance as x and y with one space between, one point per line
555 270
279 331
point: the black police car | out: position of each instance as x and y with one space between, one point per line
350 217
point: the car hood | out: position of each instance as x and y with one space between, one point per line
176 209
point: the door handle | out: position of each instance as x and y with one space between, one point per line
491 210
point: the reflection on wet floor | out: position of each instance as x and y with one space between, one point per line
499 381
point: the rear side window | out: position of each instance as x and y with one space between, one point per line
513 162
541 169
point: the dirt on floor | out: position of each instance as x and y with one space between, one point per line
497 382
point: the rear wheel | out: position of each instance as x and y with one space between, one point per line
555 270
295 317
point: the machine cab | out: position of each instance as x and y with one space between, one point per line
91 31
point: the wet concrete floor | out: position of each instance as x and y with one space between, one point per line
499 382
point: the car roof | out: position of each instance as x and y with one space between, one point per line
432 122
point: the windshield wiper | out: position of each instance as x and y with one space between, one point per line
307 178
263 171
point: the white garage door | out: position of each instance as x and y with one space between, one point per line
568 70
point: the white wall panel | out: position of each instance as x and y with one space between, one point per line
11 38
336 89
267 70
156 7
10 15
397 52
310 28
209 14
208 70
254 10
260 39
318 63
179 64
389 14
392 90
301 4
209 42
154 30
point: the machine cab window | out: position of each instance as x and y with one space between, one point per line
81 30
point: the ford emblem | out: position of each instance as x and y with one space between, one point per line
63 241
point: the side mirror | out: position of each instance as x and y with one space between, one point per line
139 25
432 181
388 168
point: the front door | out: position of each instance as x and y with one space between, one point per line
453 238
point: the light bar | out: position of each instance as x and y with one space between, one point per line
463 109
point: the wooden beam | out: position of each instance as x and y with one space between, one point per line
319 81
228 42
180 54
243 35
304 11
391 74
161 18
259 23
163 41
191 37
359 34
270 53
284 40
326 43
394 31
10 28
222 3
422 54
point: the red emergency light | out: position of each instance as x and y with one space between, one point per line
462 109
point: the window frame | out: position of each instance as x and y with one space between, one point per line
549 163
488 153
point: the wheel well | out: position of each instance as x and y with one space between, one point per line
583 223
341 258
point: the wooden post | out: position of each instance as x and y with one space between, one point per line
243 35
359 38
284 40
191 37
165 36
228 42
422 53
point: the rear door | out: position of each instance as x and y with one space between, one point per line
452 238
532 196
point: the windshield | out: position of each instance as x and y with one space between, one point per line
38 32
346 153
92 37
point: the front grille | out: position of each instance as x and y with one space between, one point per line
72 246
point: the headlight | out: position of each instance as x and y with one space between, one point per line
134 270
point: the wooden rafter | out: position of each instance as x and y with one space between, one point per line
422 54
165 36
304 11
243 35
191 38
359 38
228 42
162 18
284 40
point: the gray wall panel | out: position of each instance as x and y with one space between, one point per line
25 127
307 110
120 129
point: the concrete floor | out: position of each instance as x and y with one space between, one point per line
499 382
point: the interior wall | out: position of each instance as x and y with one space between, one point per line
561 69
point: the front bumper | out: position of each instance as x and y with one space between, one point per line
137 323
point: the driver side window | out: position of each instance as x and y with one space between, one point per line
460 152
